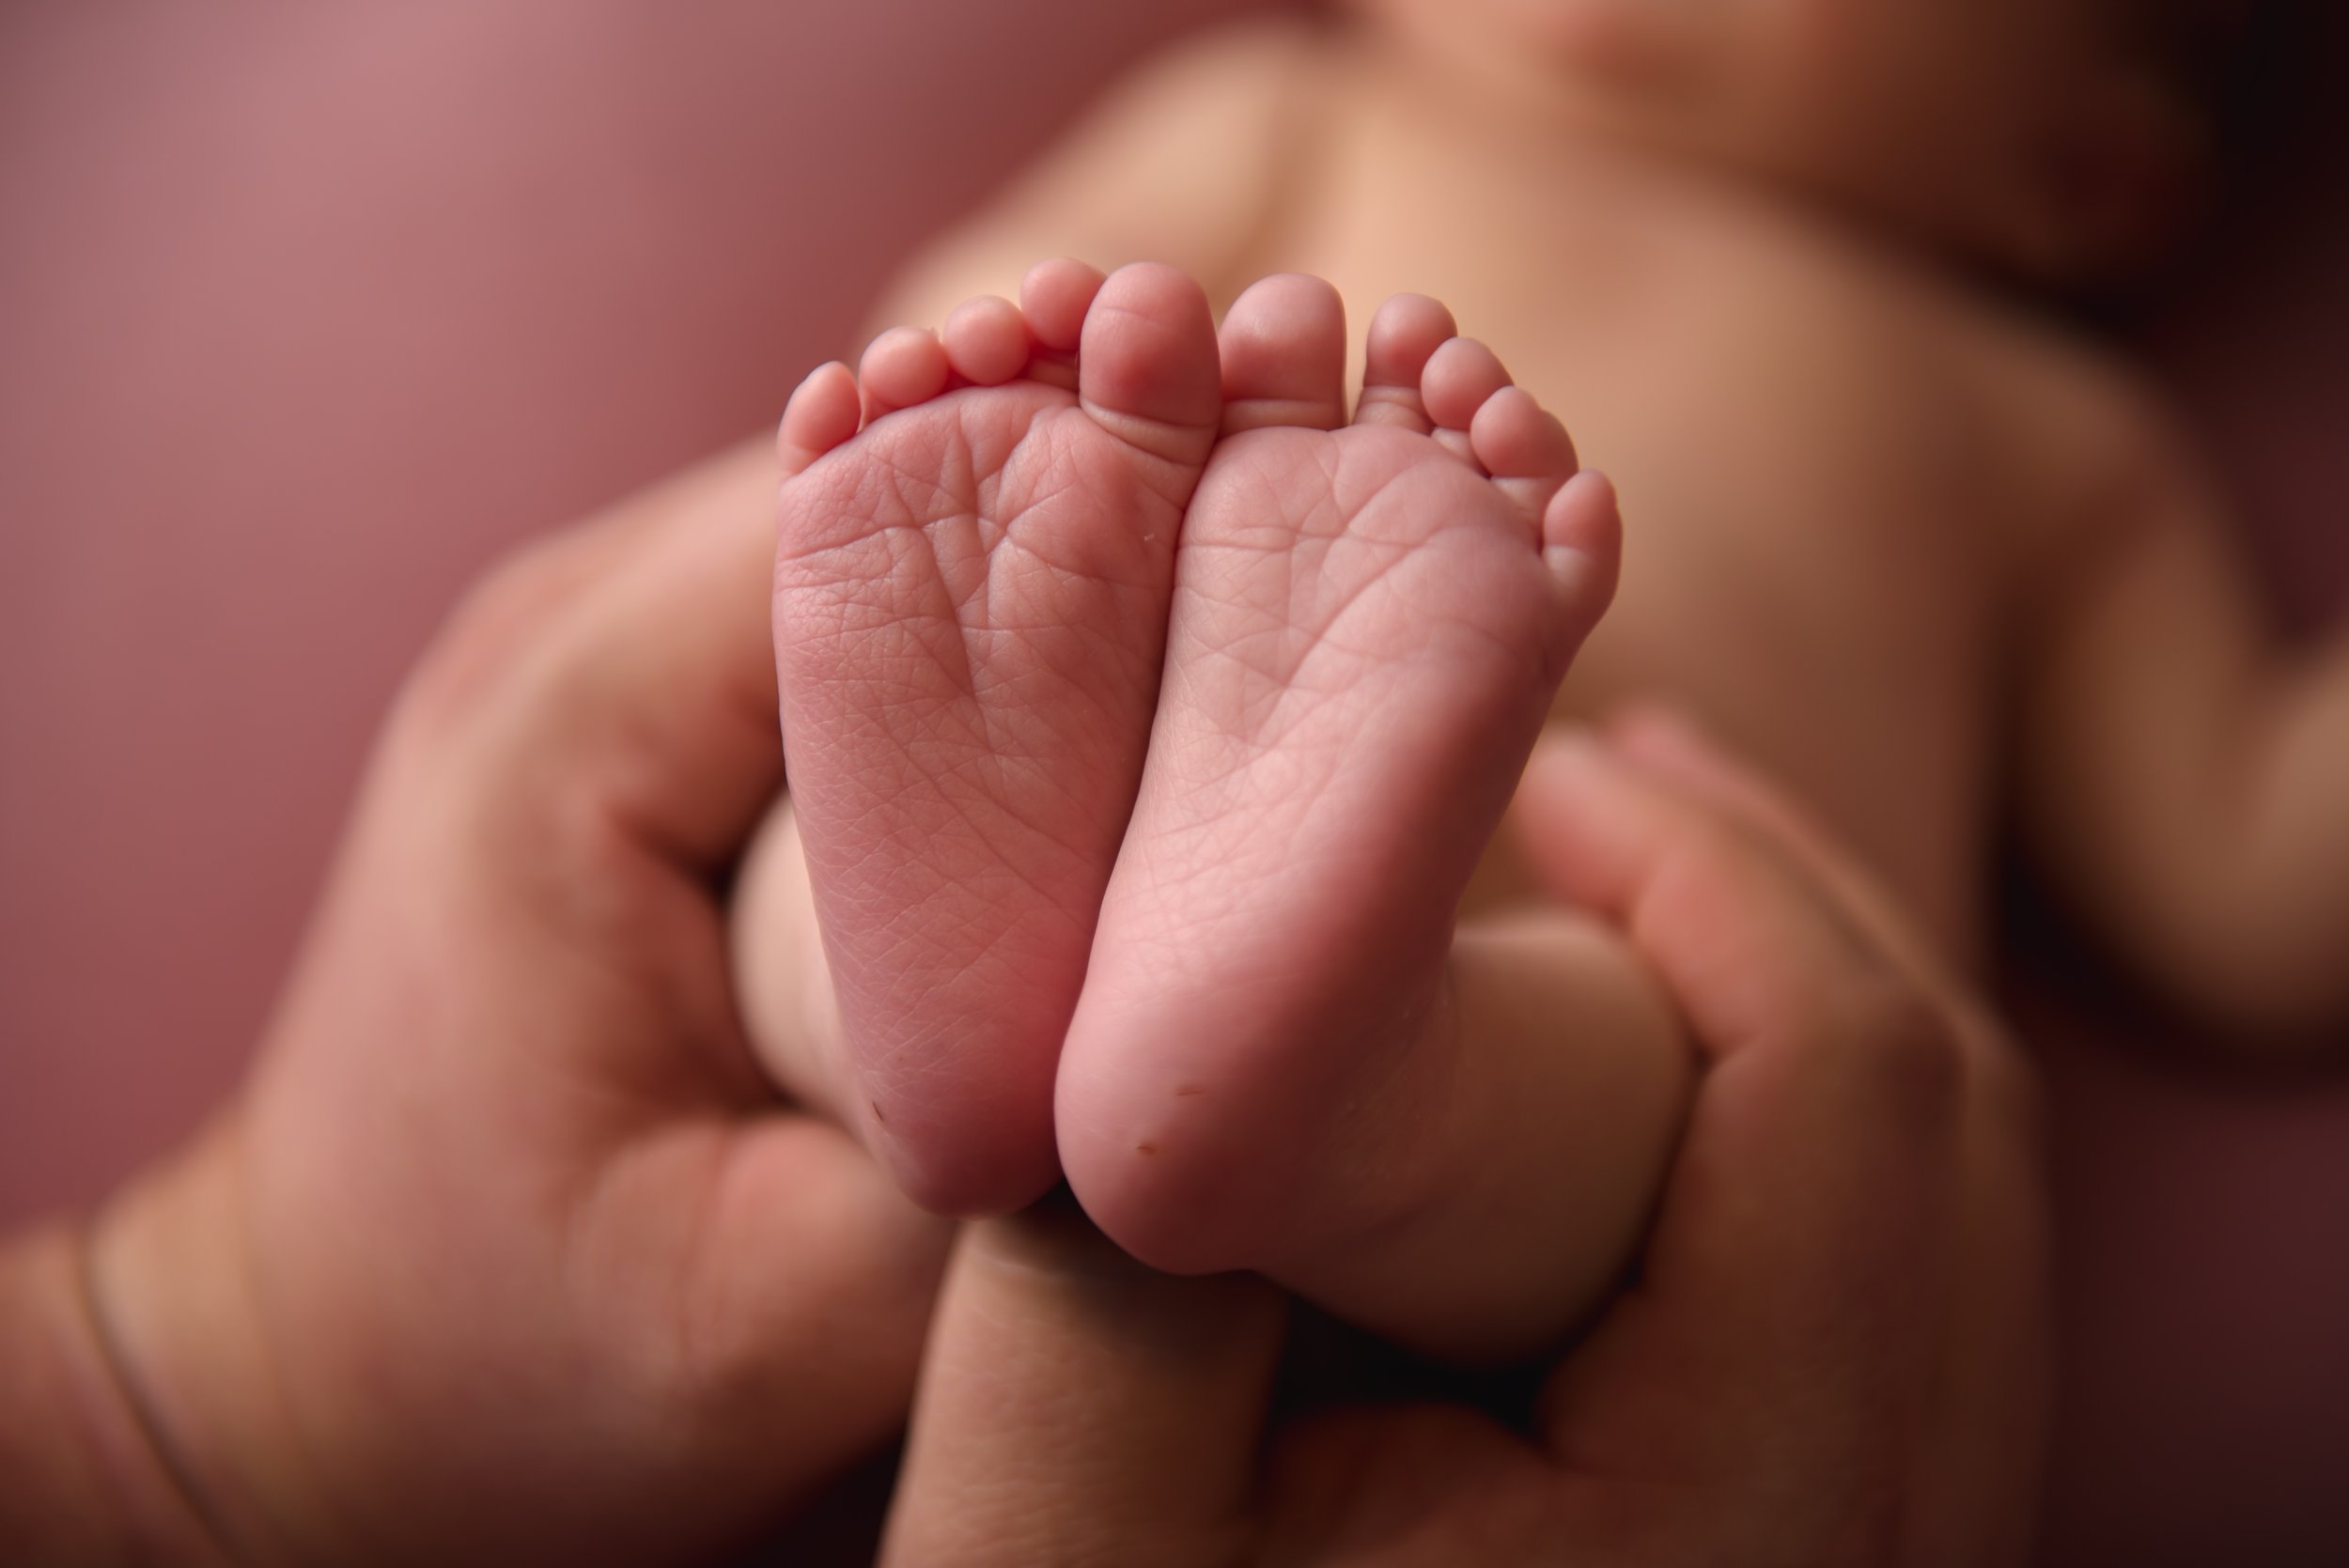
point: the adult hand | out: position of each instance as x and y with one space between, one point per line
1834 1352
508 1251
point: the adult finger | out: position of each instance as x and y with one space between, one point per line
1077 1407
1752 944
1779 1345
1669 746
623 674
1873 1218
768 1268
1973 1489
1976 1481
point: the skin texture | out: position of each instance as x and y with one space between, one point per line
1829 1357
482 1185
970 615
1280 1058
1834 1352
1930 559
508 1252
1933 562
1283 1059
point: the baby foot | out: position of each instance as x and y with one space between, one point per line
1369 626
970 608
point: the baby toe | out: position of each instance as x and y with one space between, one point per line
1055 296
1524 447
905 365
986 341
1583 547
1404 336
823 412
1283 352
1147 368
1460 376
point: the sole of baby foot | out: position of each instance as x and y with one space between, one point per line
1370 623
973 569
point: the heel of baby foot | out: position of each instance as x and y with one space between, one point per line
977 1158
1231 1145
1156 1161
964 1161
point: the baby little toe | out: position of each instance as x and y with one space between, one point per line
1460 377
823 412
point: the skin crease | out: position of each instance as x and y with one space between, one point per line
1855 1378
1834 1354
1766 417
506 1252
1273 1055
1724 243
1922 554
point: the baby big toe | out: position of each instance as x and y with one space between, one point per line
1284 353
1148 369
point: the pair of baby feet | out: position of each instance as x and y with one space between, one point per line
1144 720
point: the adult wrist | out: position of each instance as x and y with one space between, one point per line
82 1479
171 1300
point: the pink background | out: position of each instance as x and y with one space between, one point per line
306 313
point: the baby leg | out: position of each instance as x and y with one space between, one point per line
1282 1059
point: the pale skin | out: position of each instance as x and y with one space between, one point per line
1777 1387
504 1255
509 1250
1927 558
1336 641
506 1251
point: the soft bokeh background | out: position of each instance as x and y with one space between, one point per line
307 312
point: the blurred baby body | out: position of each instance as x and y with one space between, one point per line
1920 552
1883 526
